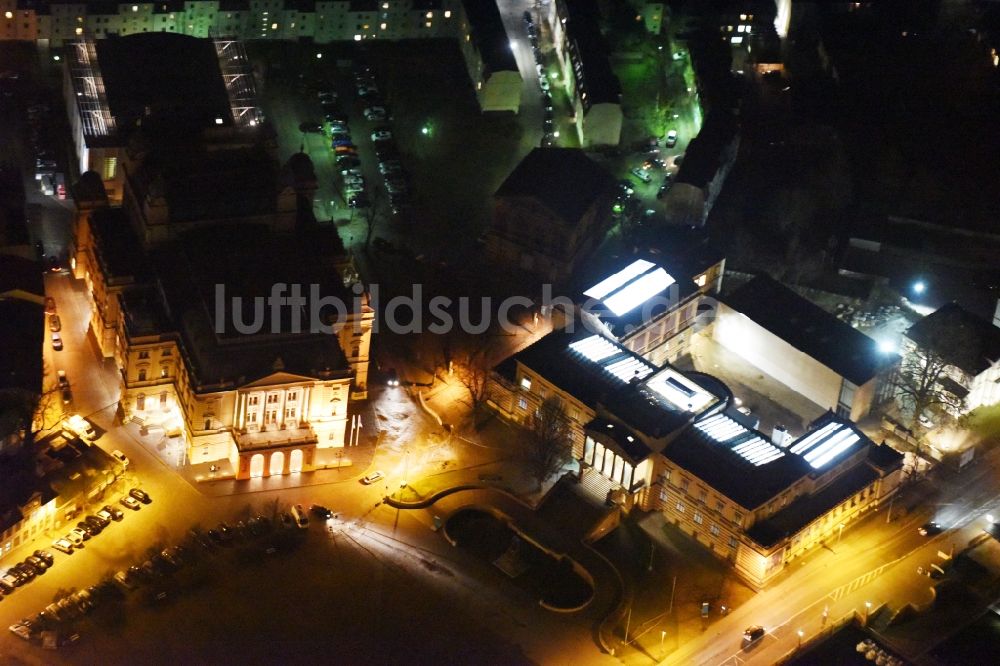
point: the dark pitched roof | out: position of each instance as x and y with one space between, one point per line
489 35
564 180
738 479
810 329
117 247
961 338
174 77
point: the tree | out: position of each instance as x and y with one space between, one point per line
547 439
919 387
472 369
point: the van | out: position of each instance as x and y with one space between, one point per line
300 517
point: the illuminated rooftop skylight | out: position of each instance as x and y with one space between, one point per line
609 284
680 391
619 362
639 291
822 446
751 447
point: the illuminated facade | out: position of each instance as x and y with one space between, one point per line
805 348
673 442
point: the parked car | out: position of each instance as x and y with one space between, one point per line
310 127
55 325
641 175
120 457
126 581
140 495
79 426
376 113
63 546
81 531
99 520
671 139
61 378
45 556
392 377
372 477
129 502
50 305
381 135
37 562
359 200
300 516
92 529
341 140
116 514
67 396
57 343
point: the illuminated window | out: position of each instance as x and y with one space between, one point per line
385 5
382 26
680 507
9 15
428 24
430 14
522 403
447 13
110 169
697 517
701 280
79 31
274 26
714 529
135 8
365 26
526 383
732 542
743 17
254 399
357 38
738 518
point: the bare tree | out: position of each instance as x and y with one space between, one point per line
547 439
371 214
472 369
919 384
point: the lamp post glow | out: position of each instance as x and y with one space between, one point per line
319 56
919 287
801 634
989 518
868 608
426 130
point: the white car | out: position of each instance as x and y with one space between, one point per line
372 478
63 546
375 113
120 457
671 140
79 426
382 135
76 536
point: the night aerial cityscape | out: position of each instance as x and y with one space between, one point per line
558 332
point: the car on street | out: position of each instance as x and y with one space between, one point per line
37 562
381 135
327 96
641 175
390 166
321 511
105 515
61 378
930 529
67 396
543 83
140 495
50 305
57 343
671 139
100 520
392 377
753 634
80 532
129 502
45 556
90 528
345 141
75 538
63 546
352 171
372 477
55 325
20 631
348 161
120 457
311 127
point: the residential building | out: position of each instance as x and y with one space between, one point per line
805 348
585 70
664 440
488 56
969 345
550 213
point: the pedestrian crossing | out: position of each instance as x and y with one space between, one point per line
857 583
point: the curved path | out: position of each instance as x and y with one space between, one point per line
607 583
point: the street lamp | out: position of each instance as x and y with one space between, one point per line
319 56
919 287
426 129
801 634
663 634
868 608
